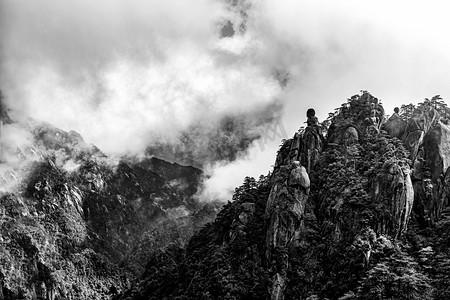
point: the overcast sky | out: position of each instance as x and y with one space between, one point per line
125 73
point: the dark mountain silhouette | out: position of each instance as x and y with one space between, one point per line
360 212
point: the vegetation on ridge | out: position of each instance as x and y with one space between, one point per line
353 242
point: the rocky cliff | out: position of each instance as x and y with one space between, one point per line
354 210
76 224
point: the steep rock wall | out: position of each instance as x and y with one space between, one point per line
428 140
74 216
285 207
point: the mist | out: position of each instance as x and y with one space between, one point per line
334 49
161 77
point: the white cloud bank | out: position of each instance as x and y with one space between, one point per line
128 73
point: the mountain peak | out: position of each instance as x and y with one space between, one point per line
349 202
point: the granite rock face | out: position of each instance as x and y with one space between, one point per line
357 130
436 147
395 126
418 126
76 225
285 208
341 217
334 211
428 140
285 211
394 183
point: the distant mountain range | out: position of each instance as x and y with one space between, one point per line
76 224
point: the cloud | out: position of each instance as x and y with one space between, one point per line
128 75
139 76
16 153
223 178
335 49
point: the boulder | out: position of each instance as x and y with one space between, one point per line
299 177
436 144
395 126
350 136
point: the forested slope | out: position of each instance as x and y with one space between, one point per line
356 207
77 224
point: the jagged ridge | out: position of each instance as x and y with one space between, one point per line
356 215
79 225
